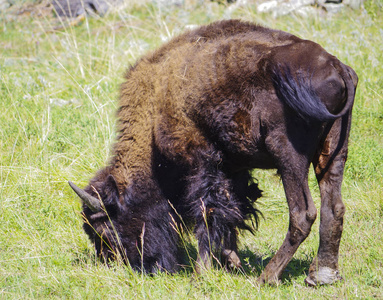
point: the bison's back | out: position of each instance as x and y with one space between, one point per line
213 84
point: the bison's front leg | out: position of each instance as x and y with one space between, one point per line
229 255
229 252
329 166
302 214
216 213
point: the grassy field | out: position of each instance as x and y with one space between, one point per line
59 85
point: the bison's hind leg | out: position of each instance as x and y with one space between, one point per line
329 164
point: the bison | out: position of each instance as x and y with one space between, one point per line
195 117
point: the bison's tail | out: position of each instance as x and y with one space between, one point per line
298 94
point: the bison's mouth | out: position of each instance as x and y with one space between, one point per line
106 244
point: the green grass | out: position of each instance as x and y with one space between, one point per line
59 92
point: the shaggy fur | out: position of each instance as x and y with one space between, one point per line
195 116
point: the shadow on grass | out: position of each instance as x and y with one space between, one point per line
253 264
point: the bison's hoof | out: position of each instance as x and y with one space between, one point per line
323 276
231 259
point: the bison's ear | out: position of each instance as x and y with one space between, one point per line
111 191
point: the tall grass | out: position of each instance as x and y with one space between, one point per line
59 88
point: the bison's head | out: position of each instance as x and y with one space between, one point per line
141 233
106 221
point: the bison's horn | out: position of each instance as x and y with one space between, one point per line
92 202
